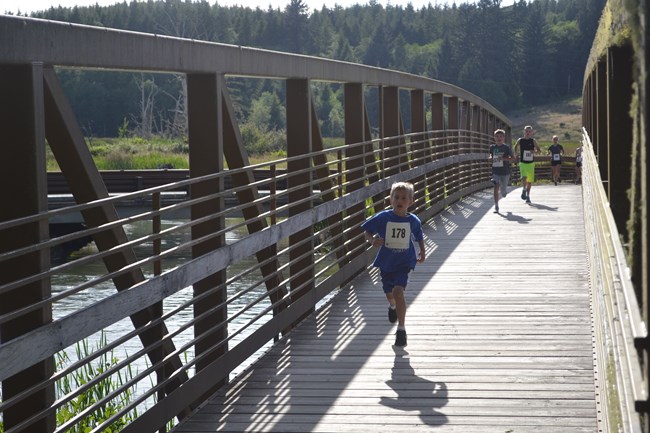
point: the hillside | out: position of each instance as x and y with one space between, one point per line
562 118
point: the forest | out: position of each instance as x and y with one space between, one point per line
516 56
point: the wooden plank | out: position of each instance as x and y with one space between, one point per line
499 328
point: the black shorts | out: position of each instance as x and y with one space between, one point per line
556 163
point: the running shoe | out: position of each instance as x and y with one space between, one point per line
400 338
392 315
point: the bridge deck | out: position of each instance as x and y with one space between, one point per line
499 328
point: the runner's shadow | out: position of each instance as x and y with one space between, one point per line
415 393
543 207
516 218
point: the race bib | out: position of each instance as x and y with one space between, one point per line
556 157
527 156
398 235
579 159
497 161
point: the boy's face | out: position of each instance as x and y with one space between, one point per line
400 200
499 138
528 133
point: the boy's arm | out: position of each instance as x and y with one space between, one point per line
515 150
375 241
537 148
423 254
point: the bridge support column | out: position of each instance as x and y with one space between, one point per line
391 120
23 142
418 125
600 139
299 144
453 122
619 84
355 175
206 157
435 183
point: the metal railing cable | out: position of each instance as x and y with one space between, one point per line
249 307
618 321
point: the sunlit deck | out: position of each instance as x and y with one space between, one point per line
499 337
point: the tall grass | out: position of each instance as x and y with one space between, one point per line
135 153
77 378
91 396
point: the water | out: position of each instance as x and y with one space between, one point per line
87 272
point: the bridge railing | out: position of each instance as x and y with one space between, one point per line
245 312
138 327
618 322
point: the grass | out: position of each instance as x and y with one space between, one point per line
87 398
562 118
97 392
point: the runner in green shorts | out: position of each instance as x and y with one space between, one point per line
525 148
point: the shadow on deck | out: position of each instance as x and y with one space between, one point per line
500 337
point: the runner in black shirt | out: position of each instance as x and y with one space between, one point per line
526 147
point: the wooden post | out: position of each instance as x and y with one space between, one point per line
620 131
453 122
206 157
418 125
354 116
390 121
24 175
298 144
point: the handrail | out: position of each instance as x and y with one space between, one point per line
196 319
470 173
618 321
83 46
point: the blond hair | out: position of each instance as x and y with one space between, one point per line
402 186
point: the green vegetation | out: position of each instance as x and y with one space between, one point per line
136 153
92 395
103 388
519 57
561 117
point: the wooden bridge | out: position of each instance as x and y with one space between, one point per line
499 337
532 320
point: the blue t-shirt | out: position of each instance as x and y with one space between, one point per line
399 233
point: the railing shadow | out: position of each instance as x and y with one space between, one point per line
290 385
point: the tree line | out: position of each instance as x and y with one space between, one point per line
515 56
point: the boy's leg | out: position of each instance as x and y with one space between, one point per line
523 187
400 302
400 334
392 308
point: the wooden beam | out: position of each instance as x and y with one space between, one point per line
68 146
24 175
299 144
206 157
237 157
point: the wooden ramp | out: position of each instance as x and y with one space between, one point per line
499 337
